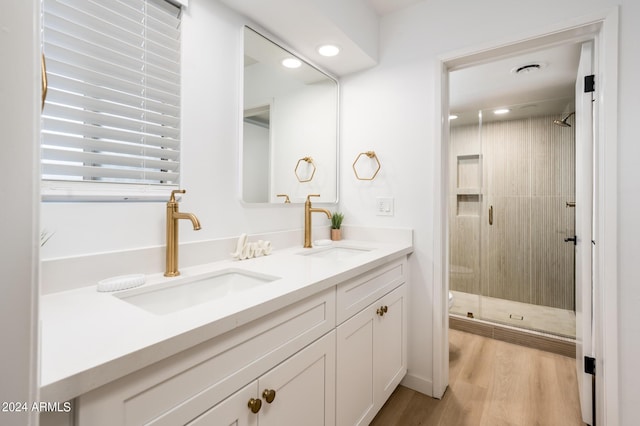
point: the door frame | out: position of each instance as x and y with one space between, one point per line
603 29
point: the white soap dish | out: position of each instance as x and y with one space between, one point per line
121 283
320 243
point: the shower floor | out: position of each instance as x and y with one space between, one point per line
555 321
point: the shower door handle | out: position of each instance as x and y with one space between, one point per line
574 239
491 215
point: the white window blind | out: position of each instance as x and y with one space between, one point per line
112 113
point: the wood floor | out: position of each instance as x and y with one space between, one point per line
492 383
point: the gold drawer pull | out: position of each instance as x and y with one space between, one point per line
382 310
269 395
45 83
255 405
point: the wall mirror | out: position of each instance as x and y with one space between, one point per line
289 114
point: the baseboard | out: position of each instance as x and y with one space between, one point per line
418 384
532 339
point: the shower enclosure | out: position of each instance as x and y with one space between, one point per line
512 192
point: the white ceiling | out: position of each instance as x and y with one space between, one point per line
303 25
385 7
549 90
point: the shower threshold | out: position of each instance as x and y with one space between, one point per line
530 338
544 319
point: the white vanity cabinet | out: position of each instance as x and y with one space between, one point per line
291 351
298 391
332 358
371 342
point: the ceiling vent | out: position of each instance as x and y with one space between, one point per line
527 68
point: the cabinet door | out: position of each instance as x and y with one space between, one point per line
355 369
371 358
233 411
303 387
389 343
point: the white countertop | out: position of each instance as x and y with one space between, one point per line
89 338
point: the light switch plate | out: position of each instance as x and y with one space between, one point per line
384 206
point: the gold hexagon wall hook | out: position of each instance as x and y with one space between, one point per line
370 154
307 160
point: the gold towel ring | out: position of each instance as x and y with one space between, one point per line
370 154
307 160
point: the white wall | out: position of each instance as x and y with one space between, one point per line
629 212
19 119
390 109
212 83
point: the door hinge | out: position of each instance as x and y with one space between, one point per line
590 365
589 83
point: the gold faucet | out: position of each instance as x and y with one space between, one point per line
307 218
173 215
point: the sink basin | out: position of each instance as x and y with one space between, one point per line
187 292
335 253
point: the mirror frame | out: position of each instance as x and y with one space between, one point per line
241 154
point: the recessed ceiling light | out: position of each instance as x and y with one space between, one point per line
453 117
291 63
328 50
501 111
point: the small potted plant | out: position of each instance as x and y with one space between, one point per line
336 222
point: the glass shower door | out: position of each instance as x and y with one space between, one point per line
527 267
466 199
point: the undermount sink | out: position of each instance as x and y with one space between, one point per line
187 292
335 253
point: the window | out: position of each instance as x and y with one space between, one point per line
111 121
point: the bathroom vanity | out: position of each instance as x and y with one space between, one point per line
323 344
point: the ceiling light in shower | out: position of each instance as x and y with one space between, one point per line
291 63
501 111
328 50
453 117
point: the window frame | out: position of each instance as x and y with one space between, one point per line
94 190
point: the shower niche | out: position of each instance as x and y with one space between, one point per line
468 184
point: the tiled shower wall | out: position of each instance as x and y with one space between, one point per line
525 170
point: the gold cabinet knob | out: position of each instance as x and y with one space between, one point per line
269 395
255 405
382 310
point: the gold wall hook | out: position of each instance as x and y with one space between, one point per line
370 154
307 160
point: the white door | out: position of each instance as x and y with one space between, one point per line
584 223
